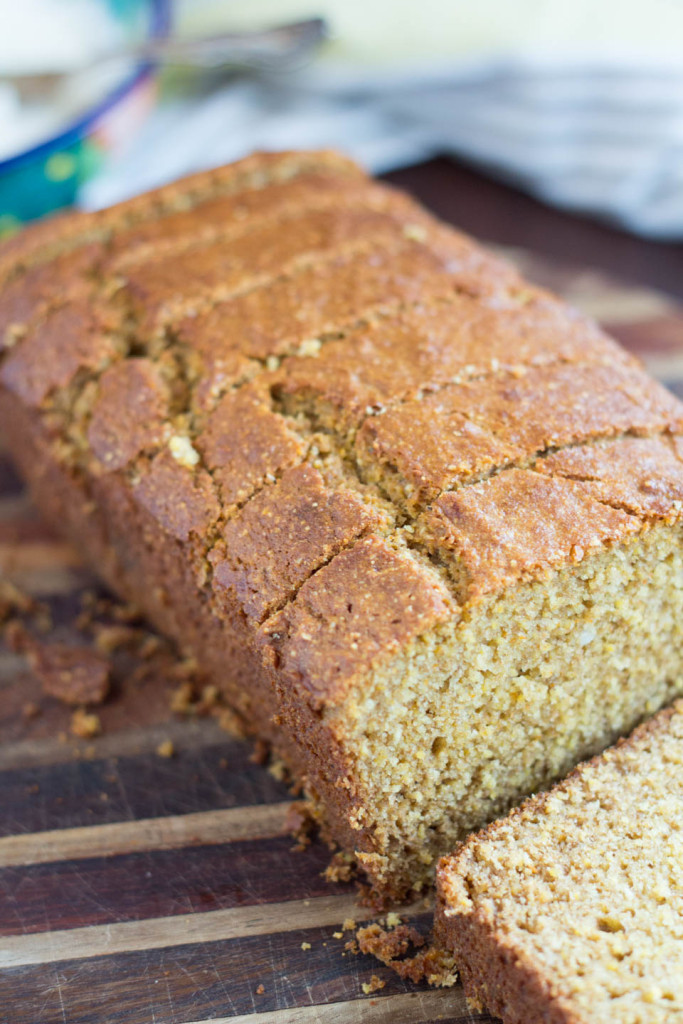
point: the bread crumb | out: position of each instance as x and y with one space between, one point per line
229 722
337 935
182 451
182 699
431 964
278 769
393 920
74 675
210 697
166 749
112 638
349 925
299 823
30 710
342 868
150 646
13 601
84 724
260 990
374 985
305 945
17 637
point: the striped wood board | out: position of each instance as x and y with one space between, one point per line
148 890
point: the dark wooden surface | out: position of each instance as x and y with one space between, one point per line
503 215
137 889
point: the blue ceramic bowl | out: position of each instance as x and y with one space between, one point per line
47 177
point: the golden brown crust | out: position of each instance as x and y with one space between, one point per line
368 603
62 340
264 399
246 445
458 432
644 476
130 413
520 524
182 500
282 536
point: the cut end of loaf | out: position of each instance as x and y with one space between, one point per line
506 697
569 910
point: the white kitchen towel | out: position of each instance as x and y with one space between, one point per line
591 130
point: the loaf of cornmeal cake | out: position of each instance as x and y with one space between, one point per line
417 518
570 911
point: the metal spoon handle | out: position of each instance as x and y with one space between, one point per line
275 49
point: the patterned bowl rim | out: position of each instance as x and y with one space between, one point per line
160 21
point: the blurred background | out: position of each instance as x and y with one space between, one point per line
579 104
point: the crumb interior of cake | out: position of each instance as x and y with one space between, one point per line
499 704
587 884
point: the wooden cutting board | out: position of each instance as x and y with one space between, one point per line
145 889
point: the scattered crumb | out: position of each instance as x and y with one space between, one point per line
166 749
112 638
430 964
230 723
393 920
182 699
342 868
186 668
387 945
305 945
30 710
13 601
374 985
260 753
118 611
210 696
349 925
42 619
299 823
74 675
433 965
150 646
17 637
337 935
278 769
260 990
84 724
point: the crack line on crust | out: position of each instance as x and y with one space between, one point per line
103 225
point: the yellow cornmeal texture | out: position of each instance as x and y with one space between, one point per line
584 886
415 519
509 699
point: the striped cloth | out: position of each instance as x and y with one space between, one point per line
593 134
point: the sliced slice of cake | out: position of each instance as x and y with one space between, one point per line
570 910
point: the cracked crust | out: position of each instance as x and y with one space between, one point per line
313 432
